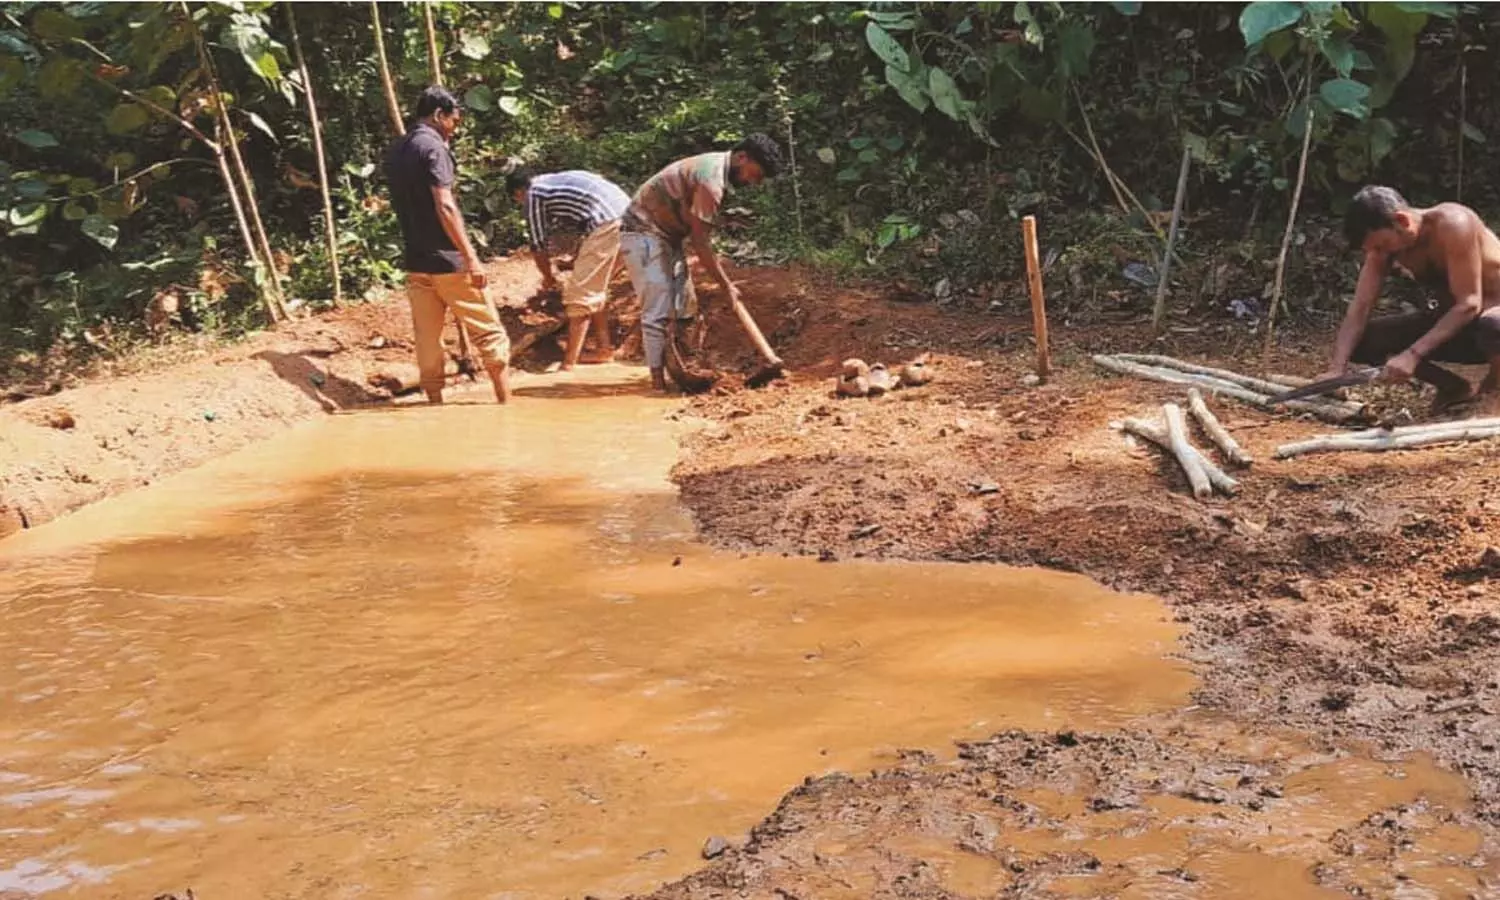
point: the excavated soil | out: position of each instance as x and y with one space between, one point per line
1348 596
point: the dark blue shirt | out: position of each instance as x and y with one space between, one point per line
414 165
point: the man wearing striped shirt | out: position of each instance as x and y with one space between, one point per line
584 202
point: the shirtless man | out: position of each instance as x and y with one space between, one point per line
1448 249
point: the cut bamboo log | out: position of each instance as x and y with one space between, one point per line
1337 415
1395 439
1258 385
1216 431
1185 452
1371 433
1157 435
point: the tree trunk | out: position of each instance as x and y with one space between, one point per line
1187 455
433 60
273 307
398 127
1157 434
317 135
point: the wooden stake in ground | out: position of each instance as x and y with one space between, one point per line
1216 431
1159 314
1038 298
1291 216
398 127
433 59
1187 455
329 228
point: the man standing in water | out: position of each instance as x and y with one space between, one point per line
590 204
1446 248
680 203
442 269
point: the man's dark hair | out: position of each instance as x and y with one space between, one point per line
435 98
763 150
1372 209
519 180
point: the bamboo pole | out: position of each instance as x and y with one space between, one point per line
329 227
1159 314
1157 434
1038 298
227 136
1291 216
393 107
433 60
1395 439
1216 431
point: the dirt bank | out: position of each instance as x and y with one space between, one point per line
60 452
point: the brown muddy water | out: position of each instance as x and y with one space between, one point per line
475 652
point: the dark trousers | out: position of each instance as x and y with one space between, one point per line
1387 336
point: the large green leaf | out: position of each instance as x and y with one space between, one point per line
27 215
126 117
73 211
892 21
1443 10
59 77
1261 19
1382 139
36 140
1472 133
510 105
1339 53
1346 96
911 86
480 98
32 189
887 47
261 124
1127 9
945 94
104 232
51 24
1075 44
474 46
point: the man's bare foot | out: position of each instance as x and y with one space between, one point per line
659 380
596 357
500 378
435 398
1452 401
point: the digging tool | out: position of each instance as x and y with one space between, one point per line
773 368
689 380
1328 385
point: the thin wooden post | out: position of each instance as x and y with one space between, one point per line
433 59
1159 314
330 230
1038 298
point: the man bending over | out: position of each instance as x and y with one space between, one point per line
584 202
681 203
1449 250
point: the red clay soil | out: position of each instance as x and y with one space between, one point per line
1347 595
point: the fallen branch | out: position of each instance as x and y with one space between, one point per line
1157 435
1187 455
1337 415
1377 441
1216 431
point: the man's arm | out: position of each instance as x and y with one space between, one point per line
703 246
1366 292
453 225
1466 285
536 224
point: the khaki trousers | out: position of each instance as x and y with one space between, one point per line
587 289
431 296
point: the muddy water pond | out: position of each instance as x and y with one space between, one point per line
474 652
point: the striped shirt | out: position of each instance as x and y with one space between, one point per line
569 200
